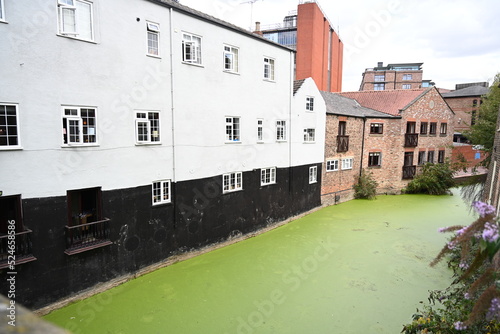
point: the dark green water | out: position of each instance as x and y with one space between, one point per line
358 267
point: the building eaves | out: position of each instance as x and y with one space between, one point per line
467 92
200 15
337 104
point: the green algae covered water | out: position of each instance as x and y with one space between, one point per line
357 267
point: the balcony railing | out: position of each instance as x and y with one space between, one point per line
409 172
411 140
342 143
83 237
23 249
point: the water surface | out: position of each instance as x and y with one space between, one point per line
357 267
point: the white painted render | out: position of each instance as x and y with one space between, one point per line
42 71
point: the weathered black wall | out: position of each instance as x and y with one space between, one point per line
143 234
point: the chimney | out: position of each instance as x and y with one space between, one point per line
257 29
380 64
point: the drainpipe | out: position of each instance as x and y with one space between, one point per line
362 147
290 102
172 109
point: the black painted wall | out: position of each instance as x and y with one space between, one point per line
143 234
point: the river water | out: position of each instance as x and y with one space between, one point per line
359 267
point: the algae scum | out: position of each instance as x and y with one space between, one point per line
358 267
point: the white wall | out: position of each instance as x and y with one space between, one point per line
308 153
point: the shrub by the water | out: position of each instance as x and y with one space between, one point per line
366 187
435 179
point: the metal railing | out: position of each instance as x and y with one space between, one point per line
409 172
411 140
23 249
87 236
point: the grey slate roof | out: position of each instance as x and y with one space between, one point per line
296 85
468 91
340 105
193 12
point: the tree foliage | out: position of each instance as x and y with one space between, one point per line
483 131
435 179
366 187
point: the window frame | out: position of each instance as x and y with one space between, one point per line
347 163
235 63
313 174
430 156
268 176
379 77
379 86
310 103
309 135
407 77
153 29
164 192
150 127
406 86
376 125
332 162
65 6
441 156
260 130
17 146
81 126
233 129
432 128
374 159
269 69
424 127
281 130
195 42
422 155
230 186
443 129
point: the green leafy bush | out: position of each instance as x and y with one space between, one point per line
366 187
435 179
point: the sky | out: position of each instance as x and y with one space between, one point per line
457 40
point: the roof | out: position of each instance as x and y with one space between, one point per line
337 104
391 102
297 84
193 12
468 91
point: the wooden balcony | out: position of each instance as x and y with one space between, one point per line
23 249
411 140
409 172
84 237
342 143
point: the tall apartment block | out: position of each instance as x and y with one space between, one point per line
394 76
319 48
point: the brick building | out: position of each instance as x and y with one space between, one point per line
492 185
346 125
319 48
394 76
390 134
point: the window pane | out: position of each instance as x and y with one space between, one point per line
154 119
153 43
84 19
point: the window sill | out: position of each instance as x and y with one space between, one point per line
77 250
148 144
76 39
193 64
3 21
159 205
313 182
281 141
267 184
443 135
15 148
423 134
224 192
81 145
309 142
19 260
153 56
262 142
375 167
376 134
269 80
231 72
233 141
333 170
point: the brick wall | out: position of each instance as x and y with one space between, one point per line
393 79
463 108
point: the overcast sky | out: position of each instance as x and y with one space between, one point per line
457 40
